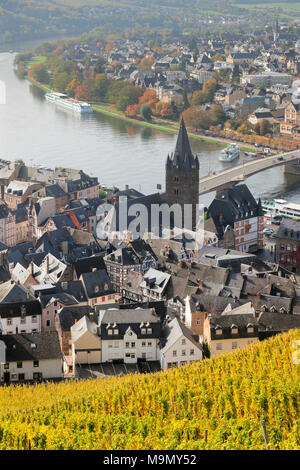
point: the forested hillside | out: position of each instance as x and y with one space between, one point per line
30 19
213 404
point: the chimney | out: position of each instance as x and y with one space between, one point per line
47 264
126 187
201 283
31 269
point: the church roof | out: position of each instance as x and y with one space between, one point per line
182 156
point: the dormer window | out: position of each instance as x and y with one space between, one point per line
143 331
116 331
219 330
250 328
96 289
234 330
149 331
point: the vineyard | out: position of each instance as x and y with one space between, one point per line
215 404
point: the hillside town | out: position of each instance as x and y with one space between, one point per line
74 303
242 87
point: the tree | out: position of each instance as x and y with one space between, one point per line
128 95
100 88
167 111
147 62
61 81
210 87
39 73
146 112
199 98
217 114
82 92
265 127
197 118
132 110
99 66
71 88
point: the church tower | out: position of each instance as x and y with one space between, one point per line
182 175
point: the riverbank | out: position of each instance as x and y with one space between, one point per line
164 126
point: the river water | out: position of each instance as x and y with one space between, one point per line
115 151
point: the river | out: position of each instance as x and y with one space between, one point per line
115 151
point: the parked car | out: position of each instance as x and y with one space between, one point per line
268 231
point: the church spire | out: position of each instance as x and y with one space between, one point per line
182 155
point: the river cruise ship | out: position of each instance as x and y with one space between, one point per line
230 153
280 207
69 103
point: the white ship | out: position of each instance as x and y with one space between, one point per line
69 103
230 153
280 207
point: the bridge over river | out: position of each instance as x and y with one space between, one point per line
237 174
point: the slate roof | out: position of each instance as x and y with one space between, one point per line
21 214
97 283
69 315
172 331
126 318
289 229
232 205
86 265
124 257
54 190
18 347
12 292
61 221
277 322
182 155
15 309
211 303
226 321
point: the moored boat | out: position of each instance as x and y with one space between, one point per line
230 153
64 101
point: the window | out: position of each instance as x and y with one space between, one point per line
133 345
116 332
219 331
174 353
48 323
149 331
183 352
234 345
6 365
143 344
37 375
9 321
198 322
34 319
149 343
250 329
192 352
127 345
36 363
21 376
110 332
219 346
19 365
183 341
143 331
